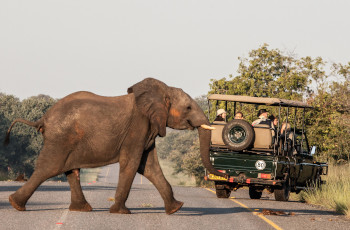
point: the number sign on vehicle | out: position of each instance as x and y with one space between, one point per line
260 165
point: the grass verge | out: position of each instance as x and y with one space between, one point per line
335 193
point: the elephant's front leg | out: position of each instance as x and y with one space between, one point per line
127 172
151 169
78 201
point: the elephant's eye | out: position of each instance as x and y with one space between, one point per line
189 108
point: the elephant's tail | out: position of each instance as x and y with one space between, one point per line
38 125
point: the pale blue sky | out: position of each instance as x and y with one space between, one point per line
62 46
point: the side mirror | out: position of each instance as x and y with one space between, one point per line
313 150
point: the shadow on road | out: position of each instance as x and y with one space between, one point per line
304 212
184 211
193 211
7 205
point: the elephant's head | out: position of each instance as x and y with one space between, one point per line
171 107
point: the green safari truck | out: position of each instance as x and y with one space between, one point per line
277 158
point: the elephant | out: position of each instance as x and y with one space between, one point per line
85 130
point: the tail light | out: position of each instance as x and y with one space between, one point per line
264 176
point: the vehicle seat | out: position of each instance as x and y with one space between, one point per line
216 134
263 136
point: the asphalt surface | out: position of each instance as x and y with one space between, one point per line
48 209
110 174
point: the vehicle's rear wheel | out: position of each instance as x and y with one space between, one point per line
223 193
282 194
254 193
238 135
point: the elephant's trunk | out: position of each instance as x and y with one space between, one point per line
204 142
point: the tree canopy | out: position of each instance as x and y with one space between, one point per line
20 155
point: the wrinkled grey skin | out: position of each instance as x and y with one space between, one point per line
84 130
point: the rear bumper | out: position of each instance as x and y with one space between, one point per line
247 181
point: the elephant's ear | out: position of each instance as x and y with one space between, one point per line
153 101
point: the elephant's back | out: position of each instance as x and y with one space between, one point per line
85 95
88 111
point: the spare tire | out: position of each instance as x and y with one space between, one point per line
238 135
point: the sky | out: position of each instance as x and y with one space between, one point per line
56 47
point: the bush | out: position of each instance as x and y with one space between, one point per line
335 193
3 176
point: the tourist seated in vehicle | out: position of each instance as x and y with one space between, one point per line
263 119
239 116
286 137
220 115
274 120
285 129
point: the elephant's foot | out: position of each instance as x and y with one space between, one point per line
174 207
16 204
80 207
118 209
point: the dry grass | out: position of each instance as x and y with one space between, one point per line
335 193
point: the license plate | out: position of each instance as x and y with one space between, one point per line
214 177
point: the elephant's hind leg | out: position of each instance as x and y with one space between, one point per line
152 171
44 170
78 201
19 199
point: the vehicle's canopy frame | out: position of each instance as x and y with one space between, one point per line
259 100
268 102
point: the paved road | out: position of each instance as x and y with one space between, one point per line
47 209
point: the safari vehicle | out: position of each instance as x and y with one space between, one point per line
259 157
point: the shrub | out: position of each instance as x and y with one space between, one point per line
334 194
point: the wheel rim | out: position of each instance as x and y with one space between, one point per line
237 134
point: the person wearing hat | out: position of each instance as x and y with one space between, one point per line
263 119
220 115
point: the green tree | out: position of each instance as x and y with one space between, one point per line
9 107
20 155
270 73
330 120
